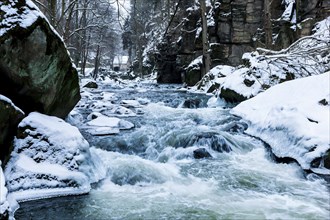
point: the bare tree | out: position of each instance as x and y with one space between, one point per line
268 24
206 55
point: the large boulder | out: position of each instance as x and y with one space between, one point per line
36 71
50 158
10 116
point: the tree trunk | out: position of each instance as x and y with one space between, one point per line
140 58
168 9
97 62
68 22
206 55
268 25
53 4
298 3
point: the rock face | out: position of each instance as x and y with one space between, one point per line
236 27
36 72
10 116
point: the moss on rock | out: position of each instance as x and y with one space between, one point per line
36 71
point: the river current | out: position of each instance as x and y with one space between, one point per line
184 160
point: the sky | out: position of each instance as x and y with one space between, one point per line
124 7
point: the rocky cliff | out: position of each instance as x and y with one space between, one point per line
238 26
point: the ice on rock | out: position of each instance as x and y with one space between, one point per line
291 119
106 96
50 158
131 103
103 125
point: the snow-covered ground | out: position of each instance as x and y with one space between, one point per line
50 158
293 118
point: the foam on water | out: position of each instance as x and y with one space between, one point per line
237 186
150 173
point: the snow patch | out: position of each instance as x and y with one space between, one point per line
13 17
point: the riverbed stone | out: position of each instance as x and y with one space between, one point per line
192 103
326 160
91 85
231 96
201 153
36 71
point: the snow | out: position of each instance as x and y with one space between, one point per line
234 81
287 14
50 158
265 68
103 125
13 17
290 118
104 121
4 206
131 103
119 60
322 29
196 63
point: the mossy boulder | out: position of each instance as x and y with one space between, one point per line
36 71
193 76
10 116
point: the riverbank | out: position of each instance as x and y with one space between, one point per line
293 118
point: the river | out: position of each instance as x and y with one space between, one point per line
153 171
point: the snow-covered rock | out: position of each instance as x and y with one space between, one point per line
265 68
293 118
130 103
4 205
193 71
103 125
36 70
50 158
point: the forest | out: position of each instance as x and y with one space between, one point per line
164 109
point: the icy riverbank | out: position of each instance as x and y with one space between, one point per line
293 118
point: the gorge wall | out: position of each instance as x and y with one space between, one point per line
236 27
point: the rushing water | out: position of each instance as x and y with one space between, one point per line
152 172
